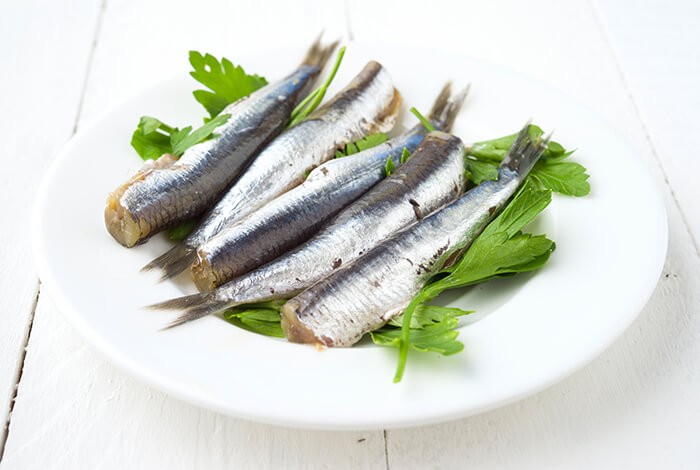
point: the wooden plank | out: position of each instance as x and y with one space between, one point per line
636 406
74 410
558 43
43 71
657 44
145 42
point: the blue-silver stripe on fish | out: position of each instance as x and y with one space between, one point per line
170 191
341 308
370 103
432 178
296 215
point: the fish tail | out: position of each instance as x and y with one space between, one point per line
193 307
318 54
525 151
446 107
173 261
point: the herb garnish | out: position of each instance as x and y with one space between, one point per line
312 101
501 250
550 172
153 138
226 82
365 143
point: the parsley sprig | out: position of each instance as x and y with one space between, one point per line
312 101
153 138
226 84
225 81
365 143
552 171
432 329
502 249
262 318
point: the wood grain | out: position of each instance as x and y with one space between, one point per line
43 73
75 410
636 406
67 390
657 48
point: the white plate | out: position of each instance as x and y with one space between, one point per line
531 330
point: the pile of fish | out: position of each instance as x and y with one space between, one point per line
281 218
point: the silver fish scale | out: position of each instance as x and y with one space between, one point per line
294 216
340 309
432 178
185 189
361 108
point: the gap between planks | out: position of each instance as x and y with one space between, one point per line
637 111
386 450
88 69
18 372
23 354
351 37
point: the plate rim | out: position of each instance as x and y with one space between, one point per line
171 387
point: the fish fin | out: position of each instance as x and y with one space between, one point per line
173 261
524 152
318 54
446 107
192 306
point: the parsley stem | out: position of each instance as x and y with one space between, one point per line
312 101
424 295
163 126
300 107
405 337
423 120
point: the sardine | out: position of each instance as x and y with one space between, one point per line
370 103
169 191
340 309
296 215
432 178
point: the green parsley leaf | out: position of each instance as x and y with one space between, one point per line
389 167
312 101
501 249
262 318
551 172
562 177
437 337
365 143
480 171
153 138
183 139
180 232
226 82
426 123
427 314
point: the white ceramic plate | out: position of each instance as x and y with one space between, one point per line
530 331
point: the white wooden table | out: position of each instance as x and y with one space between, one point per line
637 64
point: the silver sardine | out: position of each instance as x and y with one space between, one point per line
170 191
370 103
340 309
432 178
296 215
